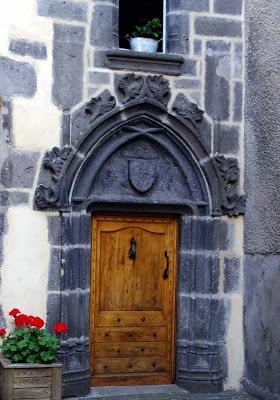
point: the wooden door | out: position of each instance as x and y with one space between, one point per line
132 319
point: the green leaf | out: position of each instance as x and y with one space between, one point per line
17 357
31 359
47 355
8 354
19 332
22 344
26 352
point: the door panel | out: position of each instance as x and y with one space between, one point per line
133 299
121 349
130 334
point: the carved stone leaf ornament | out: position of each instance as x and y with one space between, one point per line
158 86
46 197
132 87
229 168
233 204
49 196
54 160
100 105
188 110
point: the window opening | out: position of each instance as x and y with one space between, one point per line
138 13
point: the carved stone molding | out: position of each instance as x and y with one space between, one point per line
131 87
232 203
100 105
49 196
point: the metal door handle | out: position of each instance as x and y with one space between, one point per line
165 274
132 251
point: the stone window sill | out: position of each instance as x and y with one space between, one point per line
168 64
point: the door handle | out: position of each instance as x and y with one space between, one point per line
132 251
165 274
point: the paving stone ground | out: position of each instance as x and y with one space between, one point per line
164 392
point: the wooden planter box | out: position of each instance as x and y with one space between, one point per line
30 381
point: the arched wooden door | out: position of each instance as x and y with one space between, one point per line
132 315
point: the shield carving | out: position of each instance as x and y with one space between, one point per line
141 174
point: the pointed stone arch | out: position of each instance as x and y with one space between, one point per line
140 155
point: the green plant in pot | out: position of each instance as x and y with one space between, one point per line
147 37
30 358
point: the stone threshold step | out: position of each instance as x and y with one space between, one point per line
156 392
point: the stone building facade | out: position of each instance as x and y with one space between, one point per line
76 108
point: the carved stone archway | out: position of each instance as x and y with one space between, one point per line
100 171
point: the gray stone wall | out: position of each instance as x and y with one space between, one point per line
262 220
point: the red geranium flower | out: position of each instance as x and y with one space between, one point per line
2 332
30 317
14 312
38 322
60 327
21 319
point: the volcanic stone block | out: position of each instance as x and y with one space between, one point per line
217 78
227 235
238 60
54 269
197 47
229 139
202 318
76 230
75 264
184 317
187 83
198 273
19 169
187 5
3 230
209 26
231 275
24 47
77 323
6 120
62 9
104 26
189 67
199 234
2 317
221 309
98 78
17 78
68 65
54 229
178 28
228 7
238 101
13 198
53 310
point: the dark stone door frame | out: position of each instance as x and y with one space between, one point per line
74 181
